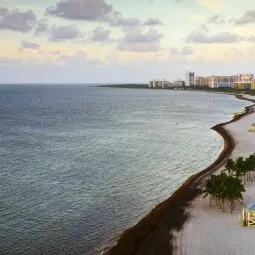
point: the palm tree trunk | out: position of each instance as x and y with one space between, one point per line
223 209
219 203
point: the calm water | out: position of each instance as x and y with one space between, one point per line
78 164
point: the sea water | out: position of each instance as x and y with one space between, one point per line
79 164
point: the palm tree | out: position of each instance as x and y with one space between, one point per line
250 165
208 188
215 188
234 190
223 188
239 168
230 165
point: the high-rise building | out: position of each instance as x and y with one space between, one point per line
245 77
220 82
190 79
153 83
253 84
179 83
163 84
242 85
202 81
156 84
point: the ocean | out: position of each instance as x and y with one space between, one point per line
80 164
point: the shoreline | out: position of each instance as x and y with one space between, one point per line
227 235
154 229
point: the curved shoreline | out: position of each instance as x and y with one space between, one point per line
154 230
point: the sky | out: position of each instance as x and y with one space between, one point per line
122 41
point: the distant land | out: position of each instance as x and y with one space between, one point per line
196 88
133 86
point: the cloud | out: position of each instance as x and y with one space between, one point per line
138 47
49 52
140 40
15 20
62 33
142 36
116 19
90 10
153 22
185 51
78 58
202 36
100 34
247 18
80 9
213 5
41 27
29 45
251 39
204 28
216 19
9 61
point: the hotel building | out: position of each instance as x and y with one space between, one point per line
253 84
179 83
157 84
190 79
235 81
242 85
221 81
202 81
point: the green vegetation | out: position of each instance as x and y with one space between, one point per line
191 88
229 184
222 90
223 188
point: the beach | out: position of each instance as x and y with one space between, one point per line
171 227
208 229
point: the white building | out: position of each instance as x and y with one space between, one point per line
179 83
163 84
190 79
156 84
224 84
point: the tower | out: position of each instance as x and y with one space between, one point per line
190 79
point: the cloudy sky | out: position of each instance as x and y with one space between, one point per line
97 41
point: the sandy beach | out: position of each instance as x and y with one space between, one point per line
208 229
184 223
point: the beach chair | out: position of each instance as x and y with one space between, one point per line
251 218
243 217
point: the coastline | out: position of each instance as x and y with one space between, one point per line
153 231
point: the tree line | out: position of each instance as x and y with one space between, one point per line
228 186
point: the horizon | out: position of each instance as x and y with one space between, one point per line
62 83
109 42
